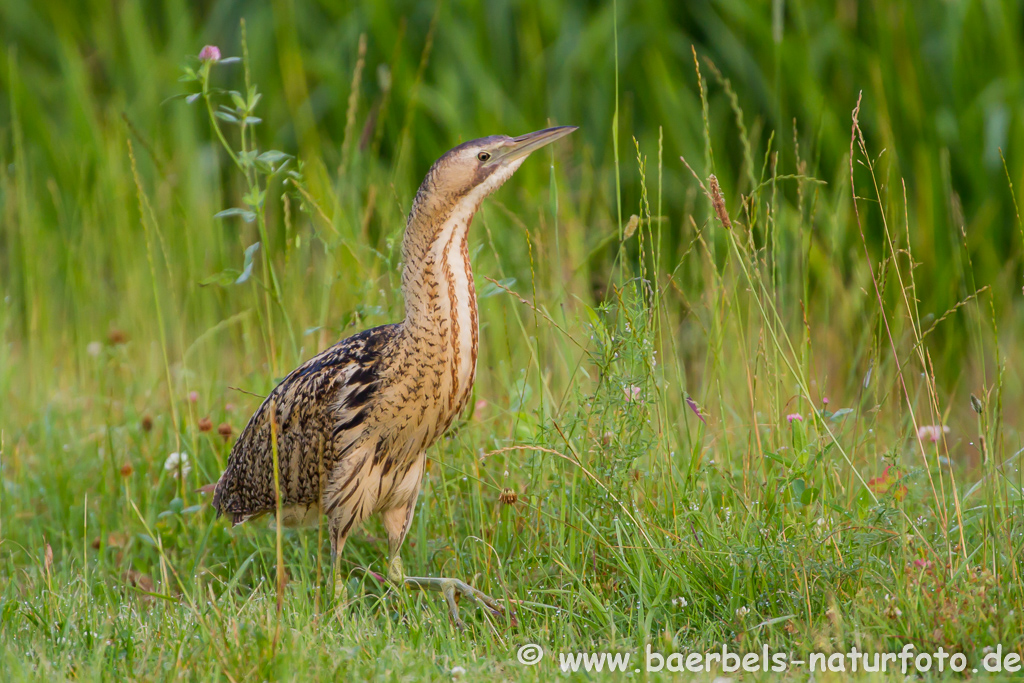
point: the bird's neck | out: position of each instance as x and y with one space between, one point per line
437 277
440 298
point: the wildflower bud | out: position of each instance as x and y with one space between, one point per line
193 397
607 438
205 424
224 430
508 496
976 404
696 409
126 470
209 53
147 423
116 337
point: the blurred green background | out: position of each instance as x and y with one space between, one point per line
941 82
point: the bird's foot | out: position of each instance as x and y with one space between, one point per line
452 590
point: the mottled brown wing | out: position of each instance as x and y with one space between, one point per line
314 406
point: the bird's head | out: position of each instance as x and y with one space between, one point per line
477 168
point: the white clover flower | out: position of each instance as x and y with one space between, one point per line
679 602
94 348
177 462
742 612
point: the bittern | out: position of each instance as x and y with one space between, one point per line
353 424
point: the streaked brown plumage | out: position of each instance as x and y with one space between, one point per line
354 422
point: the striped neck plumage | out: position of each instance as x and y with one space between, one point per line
434 249
437 277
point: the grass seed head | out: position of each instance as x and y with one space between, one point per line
631 226
719 202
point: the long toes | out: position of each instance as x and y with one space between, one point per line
481 598
450 592
490 603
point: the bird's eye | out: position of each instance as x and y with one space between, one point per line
483 156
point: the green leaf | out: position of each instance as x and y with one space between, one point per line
176 504
798 488
240 572
172 98
780 459
250 252
254 198
273 156
809 495
223 278
224 116
236 98
247 216
840 413
863 501
247 159
228 60
491 289
191 509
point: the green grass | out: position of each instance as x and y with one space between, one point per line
635 375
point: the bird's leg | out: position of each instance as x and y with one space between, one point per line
396 521
337 545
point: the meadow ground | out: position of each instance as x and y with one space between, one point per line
756 415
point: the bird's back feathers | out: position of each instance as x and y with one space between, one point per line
319 410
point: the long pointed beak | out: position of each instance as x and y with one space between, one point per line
531 142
